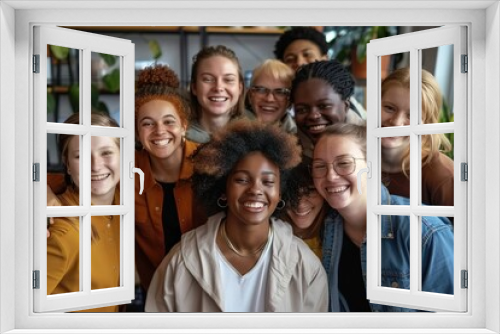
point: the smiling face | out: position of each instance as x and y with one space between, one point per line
160 129
217 86
105 167
252 190
395 112
268 108
317 105
300 52
340 192
308 208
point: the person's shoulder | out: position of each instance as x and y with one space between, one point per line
64 228
197 134
285 229
399 200
441 160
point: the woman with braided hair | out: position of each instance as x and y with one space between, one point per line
320 96
243 259
165 210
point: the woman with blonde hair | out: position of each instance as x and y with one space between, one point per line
63 259
269 94
437 168
339 155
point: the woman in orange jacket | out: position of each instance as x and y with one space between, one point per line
165 210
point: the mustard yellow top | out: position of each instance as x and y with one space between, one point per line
315 244
63 252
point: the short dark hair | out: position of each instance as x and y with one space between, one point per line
331 71
296 33
214 161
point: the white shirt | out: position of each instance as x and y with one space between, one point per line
245 293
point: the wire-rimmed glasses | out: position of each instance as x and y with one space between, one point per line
343 166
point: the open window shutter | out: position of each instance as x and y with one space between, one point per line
415 44
84 44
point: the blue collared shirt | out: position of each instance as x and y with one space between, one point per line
437 254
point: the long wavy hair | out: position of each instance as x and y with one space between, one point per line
432 101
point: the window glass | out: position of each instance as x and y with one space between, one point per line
63 83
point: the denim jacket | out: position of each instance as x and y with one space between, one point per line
437 257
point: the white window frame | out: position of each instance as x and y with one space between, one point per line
85 43
483 20
414 43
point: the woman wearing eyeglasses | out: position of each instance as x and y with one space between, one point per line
269 95
339 155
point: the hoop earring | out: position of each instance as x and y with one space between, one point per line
281 204
221 203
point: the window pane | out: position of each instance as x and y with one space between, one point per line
395 252
396 165
63 168
437 84
395 92
437 255
105 84
437 170
63 255
63 77
105 170
105 248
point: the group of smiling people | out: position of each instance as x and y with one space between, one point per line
250 199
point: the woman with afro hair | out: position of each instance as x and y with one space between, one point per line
165 210
243 259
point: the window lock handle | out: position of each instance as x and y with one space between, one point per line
368 171
133 170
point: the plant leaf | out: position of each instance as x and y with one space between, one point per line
112 81
74 97
94 95
102 107
155 49
110 60
60 52
51 103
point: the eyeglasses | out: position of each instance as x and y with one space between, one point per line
280 94
343 166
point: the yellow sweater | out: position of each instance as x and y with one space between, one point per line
63 251
314 244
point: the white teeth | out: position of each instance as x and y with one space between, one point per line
336 190
254 204
99 177
268 108
317 127
218 99
161 142
302 214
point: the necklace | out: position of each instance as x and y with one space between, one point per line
237 252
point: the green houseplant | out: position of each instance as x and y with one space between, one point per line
348 44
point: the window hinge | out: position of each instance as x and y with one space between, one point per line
464 171
465 279
36 279
36 172
36 63
465 64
